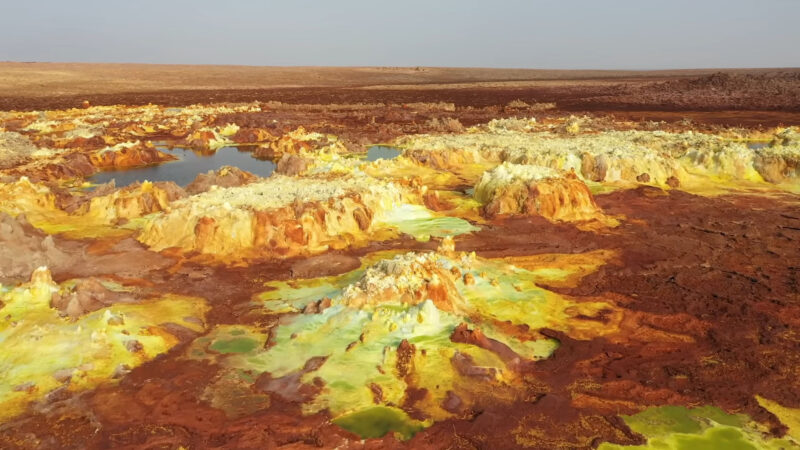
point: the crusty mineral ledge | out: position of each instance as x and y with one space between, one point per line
278 217
225 176
129 154
534 190
60 164
55 211
300 141
690 160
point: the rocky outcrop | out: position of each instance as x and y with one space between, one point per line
534 190
24 197
23 248
226 176
86 295
297 142
412 279
14 149
293 165
778 166
252 136
652 157
135 200
129 154
279 217
44 205
207 138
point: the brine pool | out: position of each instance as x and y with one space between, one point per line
184 170
191 163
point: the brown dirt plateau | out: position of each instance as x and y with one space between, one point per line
770 96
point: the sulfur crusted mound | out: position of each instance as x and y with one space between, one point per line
252 136
425 334
40 351
411 279
24 197
655 157
609 156
132 201
225 176
532 190
79 212
392 331
280 216
129 154
60 164
778 165
208 138
300 141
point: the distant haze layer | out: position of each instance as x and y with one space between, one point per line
622 34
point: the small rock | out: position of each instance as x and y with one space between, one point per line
116 320
673 182
469 279
25 387
120 371
324 304
63 375
134 346
311 308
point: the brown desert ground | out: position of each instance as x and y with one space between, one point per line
710 95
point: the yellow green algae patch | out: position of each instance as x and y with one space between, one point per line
393 303
704 428
294 295
421 223
41 351
378 421
559 269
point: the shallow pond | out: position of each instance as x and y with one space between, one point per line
755 145
184 171
377 152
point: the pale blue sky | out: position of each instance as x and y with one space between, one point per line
621 34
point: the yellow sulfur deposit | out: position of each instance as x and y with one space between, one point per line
40 351
691 160
533 190
438 321
285 216
94 218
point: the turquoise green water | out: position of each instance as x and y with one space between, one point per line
235 345
376 422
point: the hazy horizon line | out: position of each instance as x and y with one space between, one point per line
300 66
